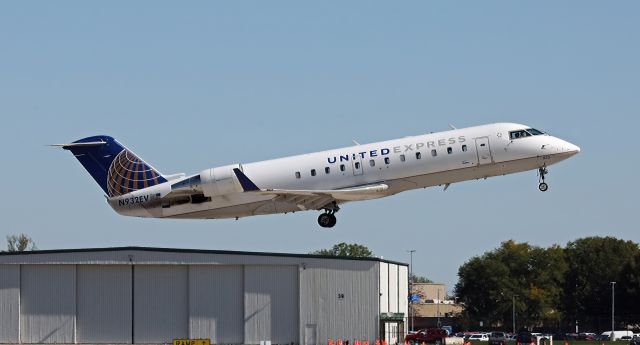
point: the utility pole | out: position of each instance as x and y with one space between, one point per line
411 287
613 305
513 309
438 308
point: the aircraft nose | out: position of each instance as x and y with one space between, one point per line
570 148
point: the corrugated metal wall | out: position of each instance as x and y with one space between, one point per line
271 304
160 303
48 303
232 299
103 304
9 303
215 303
339 300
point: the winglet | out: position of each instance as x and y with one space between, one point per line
245 182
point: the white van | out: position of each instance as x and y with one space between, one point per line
617 334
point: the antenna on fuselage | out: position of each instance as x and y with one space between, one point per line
452 126
355 142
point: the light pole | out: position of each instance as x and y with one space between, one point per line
411 287
513 309
438 308
613 305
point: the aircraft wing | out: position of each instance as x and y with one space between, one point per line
315 198
349 194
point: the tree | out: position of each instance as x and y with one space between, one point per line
517 274
20 243
593 263
420 279
345 249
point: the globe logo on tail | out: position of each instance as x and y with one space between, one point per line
128 173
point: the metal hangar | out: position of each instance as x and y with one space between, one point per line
154 295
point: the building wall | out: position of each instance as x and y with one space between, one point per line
160 303
384 287
103 295
339 300
216 294
431 310
430 291
47 303
149 296
271 304
9 303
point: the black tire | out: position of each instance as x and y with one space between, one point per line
543 187
325 221
334 220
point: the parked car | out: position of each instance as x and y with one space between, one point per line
635 340
429 335
497 338
479 337
525 337
616 334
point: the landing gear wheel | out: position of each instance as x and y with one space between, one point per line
543 187
327 220
541 174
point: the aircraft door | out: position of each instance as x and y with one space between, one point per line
483 151
357 165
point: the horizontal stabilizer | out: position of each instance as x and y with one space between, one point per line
78 145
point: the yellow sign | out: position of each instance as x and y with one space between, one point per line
191 341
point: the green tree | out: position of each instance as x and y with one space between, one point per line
629 291
529 275
420 279
20 243
346 249
593 263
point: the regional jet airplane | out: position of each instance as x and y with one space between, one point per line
321 181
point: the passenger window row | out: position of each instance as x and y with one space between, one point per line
387 161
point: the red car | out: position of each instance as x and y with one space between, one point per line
430 335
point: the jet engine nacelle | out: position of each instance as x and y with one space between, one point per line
220 181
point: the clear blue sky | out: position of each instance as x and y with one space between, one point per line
193 85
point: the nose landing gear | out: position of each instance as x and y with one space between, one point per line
328 218
541 173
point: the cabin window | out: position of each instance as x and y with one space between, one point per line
357 165
372 163
313 172
434 153
449 150
464 148
327 170
418 155
387 160
402 158
298 174
342 167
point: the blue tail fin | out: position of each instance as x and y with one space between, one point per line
117 170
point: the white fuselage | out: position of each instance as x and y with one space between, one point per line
402 164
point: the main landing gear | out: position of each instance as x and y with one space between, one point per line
541 173
328 218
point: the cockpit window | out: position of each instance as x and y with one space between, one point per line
524 133
535 131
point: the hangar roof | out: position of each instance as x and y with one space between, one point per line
188 251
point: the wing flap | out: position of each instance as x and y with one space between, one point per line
347 194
